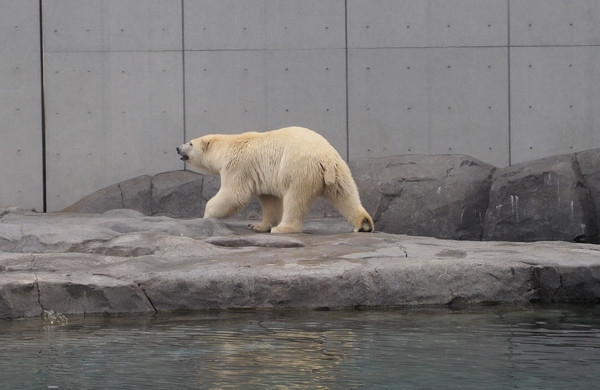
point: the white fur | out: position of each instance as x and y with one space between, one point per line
287 169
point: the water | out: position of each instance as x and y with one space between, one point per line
485 348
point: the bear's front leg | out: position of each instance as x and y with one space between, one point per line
225 203
272 208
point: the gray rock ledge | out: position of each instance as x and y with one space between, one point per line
123 261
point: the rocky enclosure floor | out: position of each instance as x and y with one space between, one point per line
122 261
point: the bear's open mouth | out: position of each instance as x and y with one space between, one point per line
184 157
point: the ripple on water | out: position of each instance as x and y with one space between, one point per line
492 348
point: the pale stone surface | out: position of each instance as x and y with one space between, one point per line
122 261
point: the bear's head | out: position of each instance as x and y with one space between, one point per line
185 150
194 152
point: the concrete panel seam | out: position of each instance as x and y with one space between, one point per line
346 54
262 50
43 109
112 51
184 135
509 128
540 45
429 47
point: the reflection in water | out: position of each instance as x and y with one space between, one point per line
271 352
491 348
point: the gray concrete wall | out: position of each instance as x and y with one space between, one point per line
21 158
125 81
259 65
555 77
113 92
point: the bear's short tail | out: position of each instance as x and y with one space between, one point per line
366 224
329 173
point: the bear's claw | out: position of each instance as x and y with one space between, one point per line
365 226
258 228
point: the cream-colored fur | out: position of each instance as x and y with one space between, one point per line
287 169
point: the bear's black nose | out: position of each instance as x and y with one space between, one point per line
177 149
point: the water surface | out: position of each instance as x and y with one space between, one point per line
554 347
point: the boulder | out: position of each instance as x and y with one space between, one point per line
175 194
121 232
589 164
32 237
18 295
544 199
93 294
442 196
107 198
178 194
137 194
132 194
565 284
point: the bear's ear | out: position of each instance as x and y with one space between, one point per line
204 144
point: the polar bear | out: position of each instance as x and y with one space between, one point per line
287 169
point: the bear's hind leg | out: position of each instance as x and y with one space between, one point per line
272 208
294 210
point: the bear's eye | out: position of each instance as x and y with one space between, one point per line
191 144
